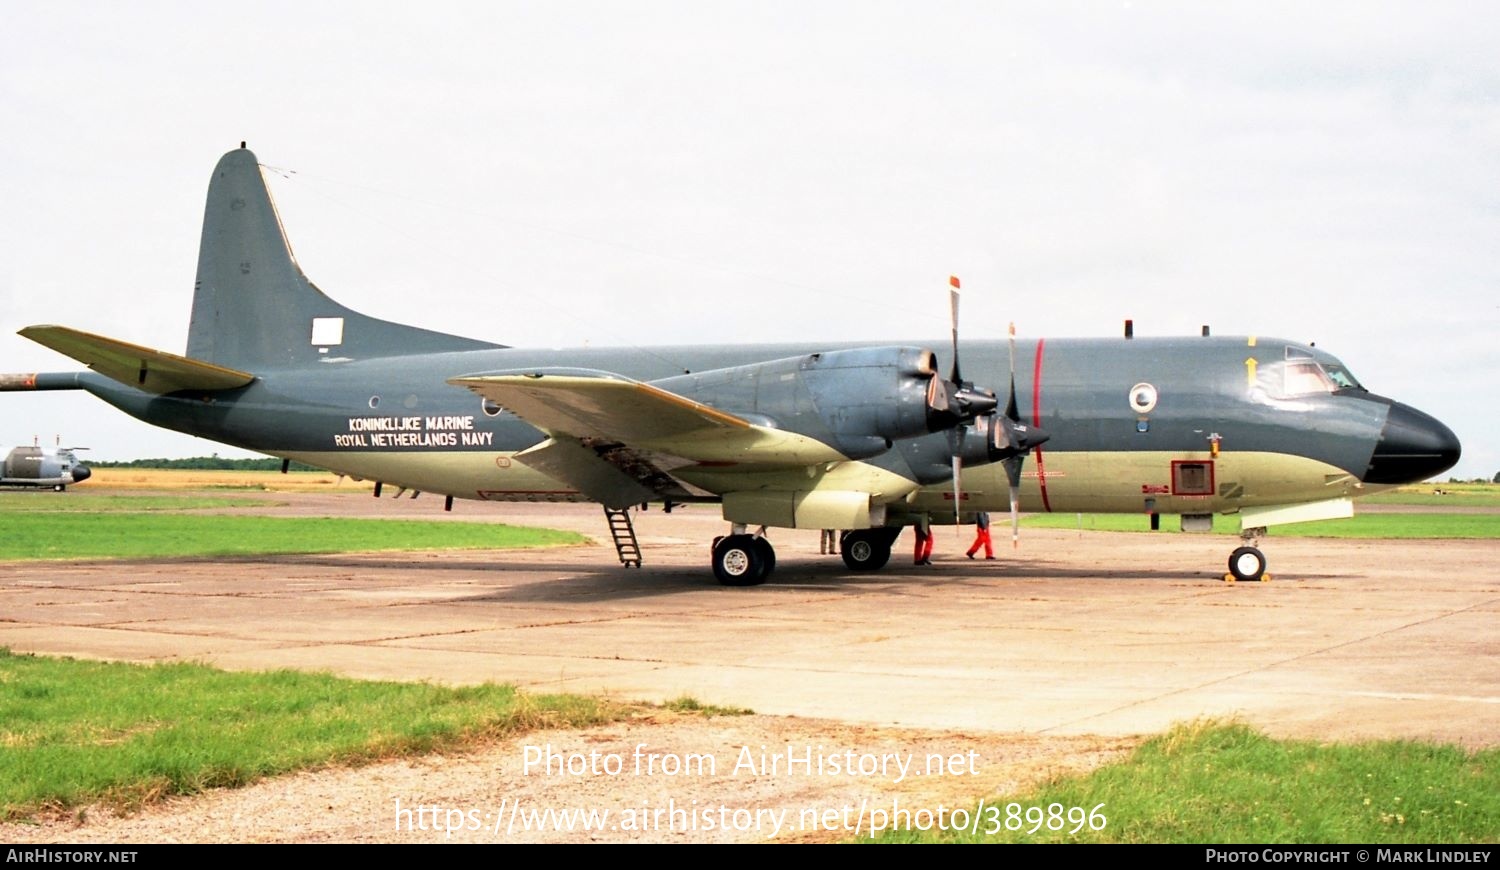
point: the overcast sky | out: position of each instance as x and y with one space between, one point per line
560 173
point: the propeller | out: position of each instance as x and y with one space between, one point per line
1019 440
955 403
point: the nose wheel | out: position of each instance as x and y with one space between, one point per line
1248 563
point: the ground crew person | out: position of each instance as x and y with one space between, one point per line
922 555
982 536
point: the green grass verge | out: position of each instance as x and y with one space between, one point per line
1359 526
74 732
130 536
1450 495
46 502
1217 783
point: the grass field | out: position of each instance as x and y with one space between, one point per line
45 502
1226 783
125 526
259 481
1383 525
1456 495
87 535
74 732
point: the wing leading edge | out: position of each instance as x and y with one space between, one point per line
618 440
609 407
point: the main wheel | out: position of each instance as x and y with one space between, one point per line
1247 564
739 561
767 554
866 549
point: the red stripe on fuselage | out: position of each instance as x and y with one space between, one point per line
1036 420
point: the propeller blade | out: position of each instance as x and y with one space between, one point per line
1015 520
953 318
958 466
1013 476
1010 405
1020 438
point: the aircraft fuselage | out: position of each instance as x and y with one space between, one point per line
395 419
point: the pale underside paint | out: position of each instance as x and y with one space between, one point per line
1100 482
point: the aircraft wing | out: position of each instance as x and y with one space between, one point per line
154 371
608 473
608 407
617 440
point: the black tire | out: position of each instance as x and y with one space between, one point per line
1247 564
738 561
866 549
768 555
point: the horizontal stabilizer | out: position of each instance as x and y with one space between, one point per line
614 408
153 371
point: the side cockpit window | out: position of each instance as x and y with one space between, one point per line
1341 377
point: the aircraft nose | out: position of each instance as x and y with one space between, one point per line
81 473
1413 447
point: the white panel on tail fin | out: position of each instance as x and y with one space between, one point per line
327 331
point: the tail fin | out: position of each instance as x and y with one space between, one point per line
252 306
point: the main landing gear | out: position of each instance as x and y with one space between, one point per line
867 549
1248 563
742 559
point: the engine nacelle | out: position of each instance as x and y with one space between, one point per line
858 401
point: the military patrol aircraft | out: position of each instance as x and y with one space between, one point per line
37 467
863 438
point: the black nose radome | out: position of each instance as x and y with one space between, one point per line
1413 447
81 473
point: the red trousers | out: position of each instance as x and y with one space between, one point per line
923 551
982 538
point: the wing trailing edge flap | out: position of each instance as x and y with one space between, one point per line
607 408
153 371
608 474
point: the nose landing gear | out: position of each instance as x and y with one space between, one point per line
1248 563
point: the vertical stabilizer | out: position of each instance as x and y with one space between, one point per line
252 306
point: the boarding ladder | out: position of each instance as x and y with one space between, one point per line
623 531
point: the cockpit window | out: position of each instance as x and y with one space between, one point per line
1305 376
1342 378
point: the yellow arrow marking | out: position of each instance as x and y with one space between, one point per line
1251 342
1250 365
